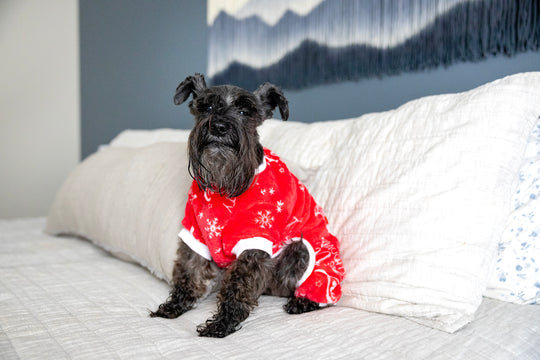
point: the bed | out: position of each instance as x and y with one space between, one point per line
434 204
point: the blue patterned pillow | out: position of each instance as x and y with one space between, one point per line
517 276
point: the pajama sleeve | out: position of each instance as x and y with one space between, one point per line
323 285
255 228
191 234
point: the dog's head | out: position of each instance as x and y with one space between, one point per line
224 148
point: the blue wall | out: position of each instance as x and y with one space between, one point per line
135 52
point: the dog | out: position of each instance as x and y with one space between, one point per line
250 225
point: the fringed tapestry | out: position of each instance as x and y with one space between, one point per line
301 43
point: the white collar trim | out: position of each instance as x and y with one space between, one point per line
261 167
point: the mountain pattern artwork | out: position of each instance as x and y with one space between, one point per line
300 43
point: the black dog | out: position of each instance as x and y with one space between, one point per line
229 167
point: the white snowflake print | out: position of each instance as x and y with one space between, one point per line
264 219
301 186
231 204
270 191
295 220
213 229
279 206
269 159
200 215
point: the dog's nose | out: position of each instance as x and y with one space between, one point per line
219 128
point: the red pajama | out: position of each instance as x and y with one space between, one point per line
274 211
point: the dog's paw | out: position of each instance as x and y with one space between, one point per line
300 305
217 327
168 310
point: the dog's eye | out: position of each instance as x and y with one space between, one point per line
205 108
245 112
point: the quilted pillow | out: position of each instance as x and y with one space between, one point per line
419 196
517 277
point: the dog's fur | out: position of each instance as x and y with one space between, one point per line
224 153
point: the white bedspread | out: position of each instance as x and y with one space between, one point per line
65 298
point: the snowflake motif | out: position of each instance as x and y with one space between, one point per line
269 159
263 191
200 215
231 203
325 244
294 221
279 206
265 219
271 191
301 186
281 170
213 228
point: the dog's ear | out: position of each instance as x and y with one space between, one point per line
192 85
271 96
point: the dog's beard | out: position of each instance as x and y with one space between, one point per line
224 165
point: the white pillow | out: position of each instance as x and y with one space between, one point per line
140 138
418 196
517 276
129 201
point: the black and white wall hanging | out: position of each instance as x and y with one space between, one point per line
301 43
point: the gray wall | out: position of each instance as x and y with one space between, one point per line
135 52
133 55
39 102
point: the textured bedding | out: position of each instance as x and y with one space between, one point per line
62 297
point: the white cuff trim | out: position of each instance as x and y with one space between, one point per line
195 244
311 263
256 243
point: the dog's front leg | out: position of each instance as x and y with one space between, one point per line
243 283
193 278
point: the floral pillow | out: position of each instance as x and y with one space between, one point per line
517 276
